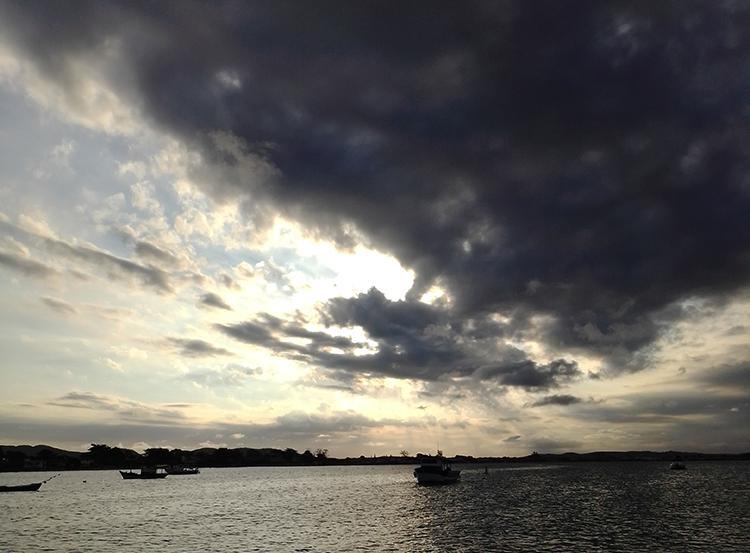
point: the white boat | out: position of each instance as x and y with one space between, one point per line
147 473
179 469
434 470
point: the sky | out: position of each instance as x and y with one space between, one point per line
489 227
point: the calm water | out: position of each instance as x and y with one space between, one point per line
580 507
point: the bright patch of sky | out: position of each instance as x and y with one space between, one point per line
93 323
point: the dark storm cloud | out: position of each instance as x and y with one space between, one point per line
413 340
529 374
562 399
25 266
209 299
581 160
196 348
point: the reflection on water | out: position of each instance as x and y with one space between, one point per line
578 507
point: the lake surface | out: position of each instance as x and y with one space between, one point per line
573 507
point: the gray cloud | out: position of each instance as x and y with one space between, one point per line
562 399
210 299
228 281
116 267
167 424
59 305
149 251
229 376
248 332
552 445
414 340
102 311
125 409
737 330
534 375
511 439
734 376
25 266
196 348
670 407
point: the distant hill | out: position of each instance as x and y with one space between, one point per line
100 456
35 450
630 456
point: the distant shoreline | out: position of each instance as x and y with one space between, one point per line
24 458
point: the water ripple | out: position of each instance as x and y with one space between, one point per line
579 507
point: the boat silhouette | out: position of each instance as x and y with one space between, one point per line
22 487
435 470
147 473
26 487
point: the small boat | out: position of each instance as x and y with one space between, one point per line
147 473
22 488
177 470
27 487
677 465
434 470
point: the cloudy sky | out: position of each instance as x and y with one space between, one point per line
375 226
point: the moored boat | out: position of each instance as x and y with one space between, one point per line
27 487
22 487
435 470
147 473
677 465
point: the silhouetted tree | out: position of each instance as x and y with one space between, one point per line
49 458
158 456
15 460
104 456
290 454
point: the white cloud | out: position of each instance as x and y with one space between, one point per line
61 153
84 94
143 197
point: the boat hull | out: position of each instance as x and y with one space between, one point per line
22 488
433 478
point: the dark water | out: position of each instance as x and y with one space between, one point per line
580 507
